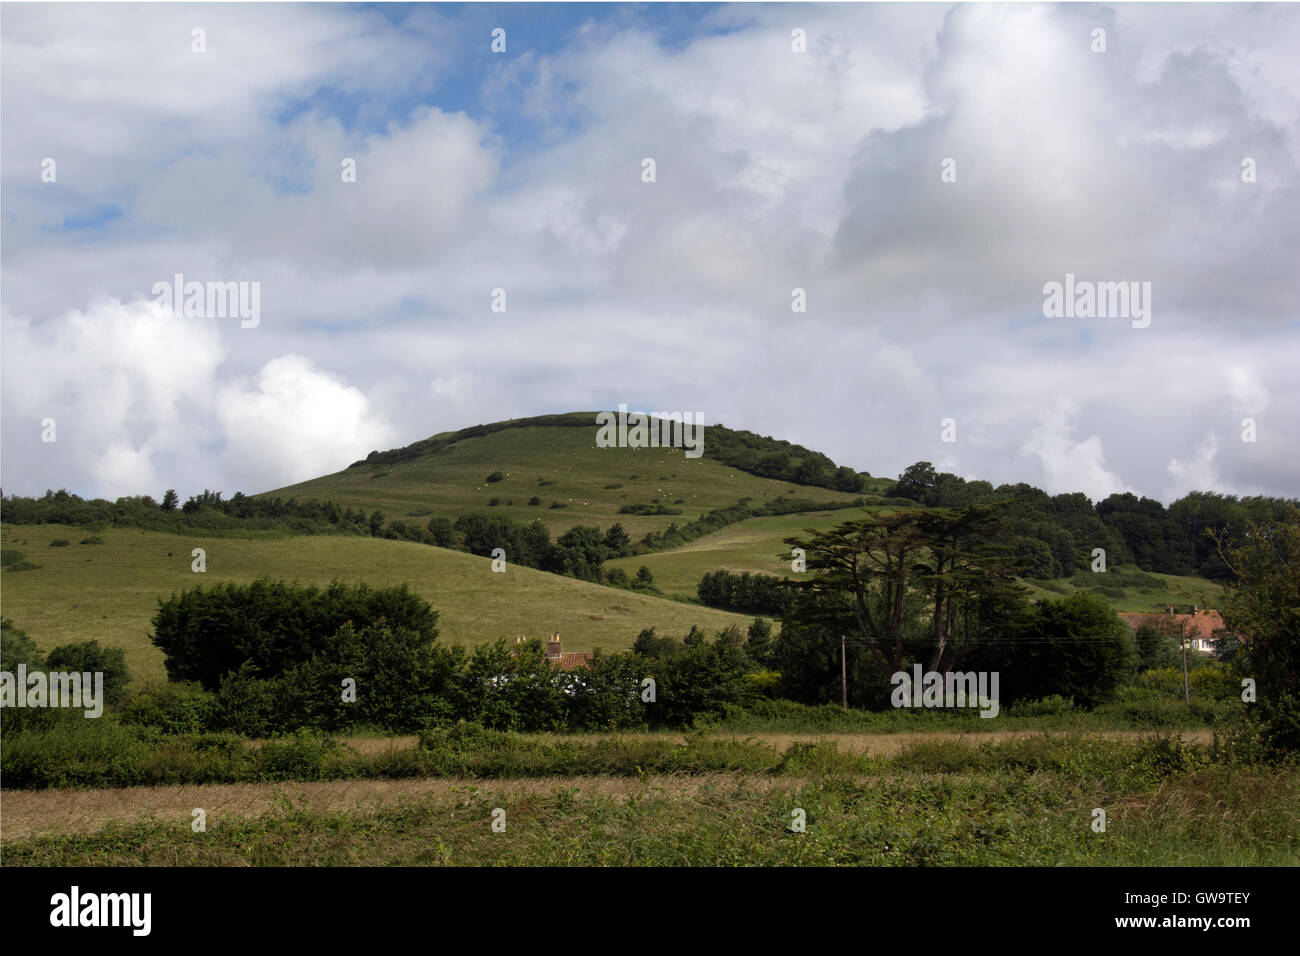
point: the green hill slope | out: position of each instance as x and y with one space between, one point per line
109 591
555 464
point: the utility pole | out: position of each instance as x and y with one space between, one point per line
844 672
1187 689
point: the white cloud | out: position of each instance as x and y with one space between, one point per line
297 422
775 170
128 386
1070 465
1196 472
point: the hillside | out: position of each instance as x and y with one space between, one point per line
109 591
557 464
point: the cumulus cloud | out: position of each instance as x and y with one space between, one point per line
775 170
1070 465
294 423
139 401
1196 471
128 386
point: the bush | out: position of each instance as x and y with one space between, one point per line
301 757
12 560
60 543
495 477
1054 704
172 707
89 657
209 634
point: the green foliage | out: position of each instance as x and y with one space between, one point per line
17 648
173 707
208 513
746 592
271 626
1210 682
1155 649
656 508
90 657
12 560
1055 535
759 644
1263 606
696 680
1076 648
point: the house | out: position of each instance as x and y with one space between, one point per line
555 654
1200 625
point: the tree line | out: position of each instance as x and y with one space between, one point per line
745 592
1055 534
208 512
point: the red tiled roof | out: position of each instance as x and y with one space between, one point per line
572 662
1202 624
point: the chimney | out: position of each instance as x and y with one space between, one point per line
553 647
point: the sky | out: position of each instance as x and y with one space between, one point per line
921 172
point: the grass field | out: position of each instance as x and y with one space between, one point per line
451 482
109 591
935 802
1177 590
756 545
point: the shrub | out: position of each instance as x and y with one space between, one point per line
89 656
207 634
495 477
1046 706
12 560
60 543
172 707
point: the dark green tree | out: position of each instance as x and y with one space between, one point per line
1263 607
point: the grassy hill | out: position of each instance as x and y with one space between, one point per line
555 464
109 591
